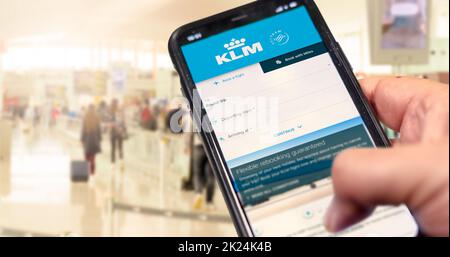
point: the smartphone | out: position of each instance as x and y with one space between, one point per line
275 100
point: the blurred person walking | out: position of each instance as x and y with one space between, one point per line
36 117
103 113
201 175
146 116
54 116
91 136
118 131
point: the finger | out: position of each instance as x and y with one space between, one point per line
366 178
391 96
342 214
395 142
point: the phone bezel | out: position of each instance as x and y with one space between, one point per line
225 22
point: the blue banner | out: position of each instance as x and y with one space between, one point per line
301 165
250 44
295 142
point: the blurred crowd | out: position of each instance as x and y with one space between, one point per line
114 122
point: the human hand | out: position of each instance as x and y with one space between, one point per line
414 172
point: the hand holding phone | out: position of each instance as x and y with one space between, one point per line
414 172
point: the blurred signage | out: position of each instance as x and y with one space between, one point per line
90 82
118 79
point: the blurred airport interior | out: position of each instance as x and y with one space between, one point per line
62 60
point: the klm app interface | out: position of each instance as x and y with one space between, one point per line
281 114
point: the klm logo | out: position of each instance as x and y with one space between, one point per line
238 49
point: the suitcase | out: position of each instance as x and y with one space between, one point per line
79 171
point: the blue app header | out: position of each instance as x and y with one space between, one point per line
250 44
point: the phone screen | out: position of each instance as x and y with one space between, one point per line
281 113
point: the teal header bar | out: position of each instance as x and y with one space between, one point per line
293 57
250 44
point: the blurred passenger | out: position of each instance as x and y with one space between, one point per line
162 121
118 131
203 176
22 109
54 115
37 116
201 173
157 110
146 116
82 112
103 111
91 137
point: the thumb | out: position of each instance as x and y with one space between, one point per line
365 178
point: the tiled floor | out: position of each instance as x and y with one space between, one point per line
37 197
